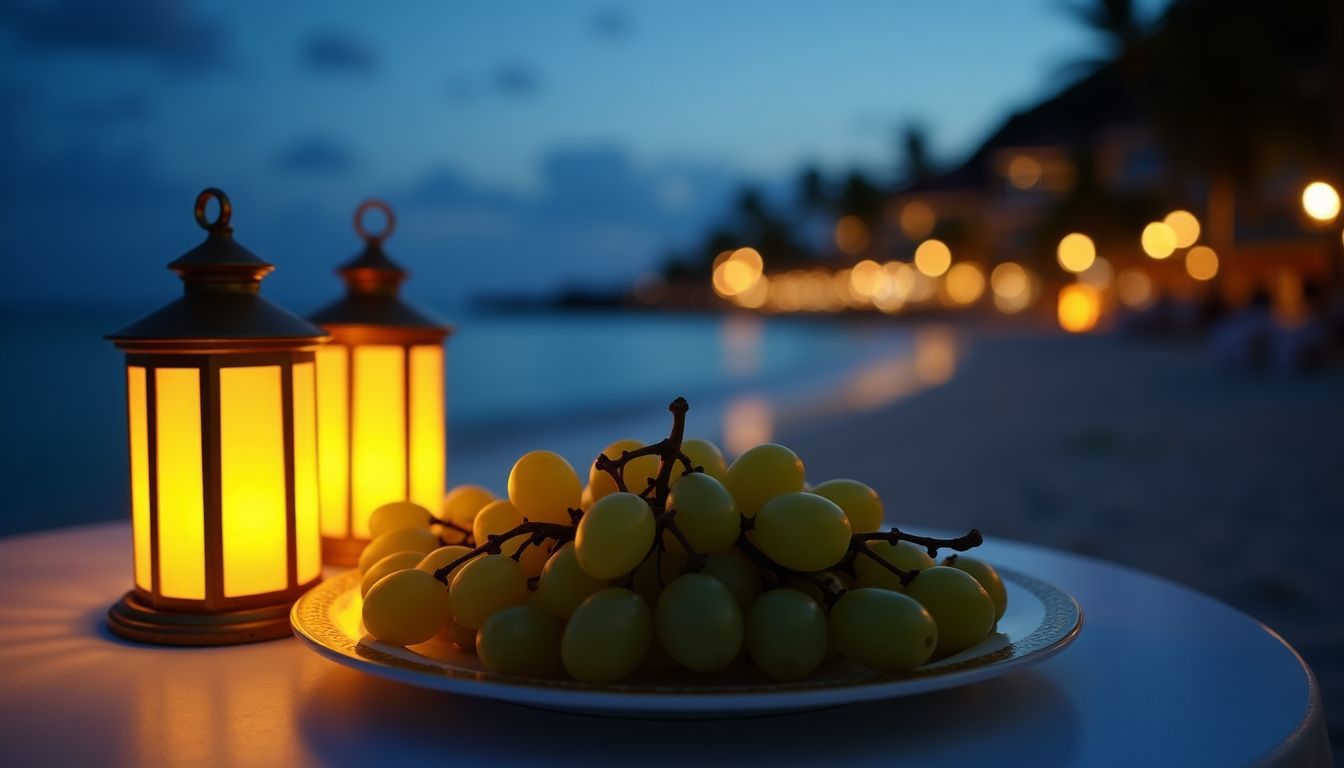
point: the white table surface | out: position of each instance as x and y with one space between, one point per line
1160 675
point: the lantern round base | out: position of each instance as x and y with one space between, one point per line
134 620
342 552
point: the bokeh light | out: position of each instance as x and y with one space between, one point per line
866 278
737 272
1076 252
1201 262
933 257
965 283
1320 201
916 220
1158 240
1185 226
1012 286
1024 171
1079 308
851 235
1099 275
1135 288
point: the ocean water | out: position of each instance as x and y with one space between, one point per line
568 382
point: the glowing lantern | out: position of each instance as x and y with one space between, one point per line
1320 201
223 444
380 402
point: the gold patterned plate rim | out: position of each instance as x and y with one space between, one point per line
1028 634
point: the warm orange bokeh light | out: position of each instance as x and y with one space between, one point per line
1076 252
1024 171
1320 201
1201 263
1158 240
1135 288
965 283
933 257
917 220
851 235
1185 226
1079 308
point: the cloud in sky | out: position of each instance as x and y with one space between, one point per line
315 155
338 53
611 24
168 32
514 78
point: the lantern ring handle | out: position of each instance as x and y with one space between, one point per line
225 209
371 205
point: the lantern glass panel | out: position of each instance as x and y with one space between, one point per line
139 429
252 475
426 425
333 413
309 549
379 430
181 503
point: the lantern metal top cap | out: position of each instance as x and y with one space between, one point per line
372 282
221 307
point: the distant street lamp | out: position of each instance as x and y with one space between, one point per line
1320 201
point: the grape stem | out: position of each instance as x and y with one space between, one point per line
831 590
494 542
450 525
858 545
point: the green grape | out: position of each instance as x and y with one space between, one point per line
401 540
544 487
962 608
586 498
614 535
761 474
860 503
460 507
460 637
705 455
787 634
672 564
500 517
406 608
705 513
520 641
809 586
883 630
443 556
737 574
564 584
395 516
487 584
988 577
398 561
903 555
698 623
802 531
607 637
635 473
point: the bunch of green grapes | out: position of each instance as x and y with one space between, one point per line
670 558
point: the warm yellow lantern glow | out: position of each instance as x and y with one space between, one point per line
380 396
1076 252
965 283
1201 263
1158 240
933 257
1320 201
1079 308
1185 226
223 462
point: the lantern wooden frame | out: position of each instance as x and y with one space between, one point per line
220 325
373 315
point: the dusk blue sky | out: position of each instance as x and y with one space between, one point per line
524 145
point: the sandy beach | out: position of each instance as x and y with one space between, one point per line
1142 452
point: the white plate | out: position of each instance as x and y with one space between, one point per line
1041 621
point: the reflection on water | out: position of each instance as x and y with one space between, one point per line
740 337
930 361
747 421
